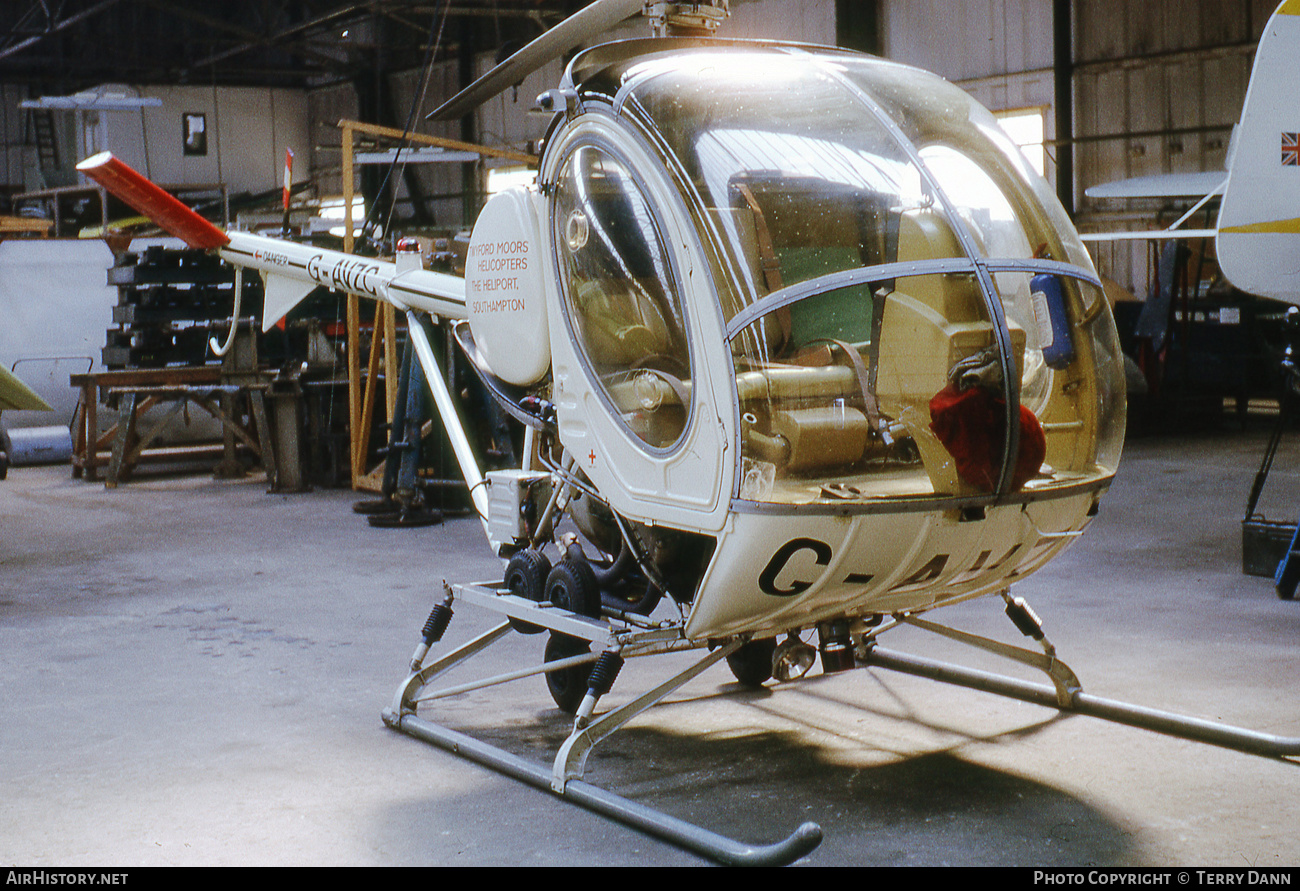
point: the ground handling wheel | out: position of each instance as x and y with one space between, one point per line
572 585
568 686
525 577
752 663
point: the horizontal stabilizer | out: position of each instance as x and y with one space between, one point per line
1152 235
152 201
281 295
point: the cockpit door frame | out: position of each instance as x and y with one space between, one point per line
689 481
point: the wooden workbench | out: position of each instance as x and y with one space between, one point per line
137 391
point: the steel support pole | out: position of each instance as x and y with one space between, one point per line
450 418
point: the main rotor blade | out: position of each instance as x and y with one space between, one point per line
570 33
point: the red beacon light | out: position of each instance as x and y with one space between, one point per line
408 256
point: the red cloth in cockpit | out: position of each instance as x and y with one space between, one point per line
971 424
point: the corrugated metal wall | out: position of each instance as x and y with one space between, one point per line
17 154
971 39
1158 86
1000 51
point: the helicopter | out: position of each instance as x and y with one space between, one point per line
802 348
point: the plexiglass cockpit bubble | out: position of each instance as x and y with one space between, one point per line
908 312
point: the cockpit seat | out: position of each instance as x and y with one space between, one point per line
621 323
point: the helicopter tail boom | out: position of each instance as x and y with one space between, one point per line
291 270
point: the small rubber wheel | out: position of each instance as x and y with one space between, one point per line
752 663
568 686
526 577
572 585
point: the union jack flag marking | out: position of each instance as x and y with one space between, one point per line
1291 149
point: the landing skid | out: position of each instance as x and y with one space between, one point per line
1066 693
622 637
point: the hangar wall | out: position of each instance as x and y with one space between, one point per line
971 40
17 156
504 121
1000 51
1157 86
246 131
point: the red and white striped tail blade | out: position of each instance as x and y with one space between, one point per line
288 176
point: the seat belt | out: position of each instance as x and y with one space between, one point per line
766 250
865 384
767 261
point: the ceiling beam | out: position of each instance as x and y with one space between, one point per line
55 27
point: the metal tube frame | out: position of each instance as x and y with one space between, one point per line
564 777
1066 693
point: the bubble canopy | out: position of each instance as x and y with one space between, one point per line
908 309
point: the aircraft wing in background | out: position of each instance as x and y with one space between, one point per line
1169 185
1203 185
17 396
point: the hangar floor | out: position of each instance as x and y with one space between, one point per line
193 674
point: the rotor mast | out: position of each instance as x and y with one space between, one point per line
686 19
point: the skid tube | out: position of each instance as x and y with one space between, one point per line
601 801
563 778
1066 693
1169 723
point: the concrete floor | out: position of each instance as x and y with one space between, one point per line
193 673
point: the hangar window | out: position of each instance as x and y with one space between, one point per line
1025 127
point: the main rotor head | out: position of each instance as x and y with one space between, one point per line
686 19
